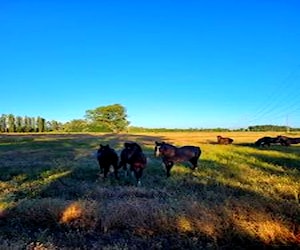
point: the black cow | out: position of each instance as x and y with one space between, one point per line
107 157
266 141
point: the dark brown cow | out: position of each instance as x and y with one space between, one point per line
133 155
171 154
287 141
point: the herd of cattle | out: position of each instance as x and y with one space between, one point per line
133 155
264 141
282 140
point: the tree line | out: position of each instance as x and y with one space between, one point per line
111 118
262 128
11 124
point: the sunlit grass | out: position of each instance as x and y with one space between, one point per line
259 224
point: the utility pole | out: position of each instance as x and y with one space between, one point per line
287 124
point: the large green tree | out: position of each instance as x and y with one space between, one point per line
76 125
113 117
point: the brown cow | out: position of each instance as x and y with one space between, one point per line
224 140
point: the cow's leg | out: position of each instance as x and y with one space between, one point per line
123 165
116 171
194 162
101 168
138 175
169 165
106 170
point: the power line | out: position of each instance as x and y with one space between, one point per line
282 99
280 95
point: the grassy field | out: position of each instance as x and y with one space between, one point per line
240 197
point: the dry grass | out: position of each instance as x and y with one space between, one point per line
51 195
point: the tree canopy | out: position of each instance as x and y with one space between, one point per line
113 117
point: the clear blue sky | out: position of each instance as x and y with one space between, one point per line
175 64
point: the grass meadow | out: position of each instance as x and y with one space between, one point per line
240 197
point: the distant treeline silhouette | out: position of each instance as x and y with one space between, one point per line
18 124
261 128
12 124
257 128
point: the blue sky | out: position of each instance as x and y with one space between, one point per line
174 64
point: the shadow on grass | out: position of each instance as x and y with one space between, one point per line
286 162
286 158
31 164
274 147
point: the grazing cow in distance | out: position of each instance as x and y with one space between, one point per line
266 141
224 140
171 154
107 157
133 155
